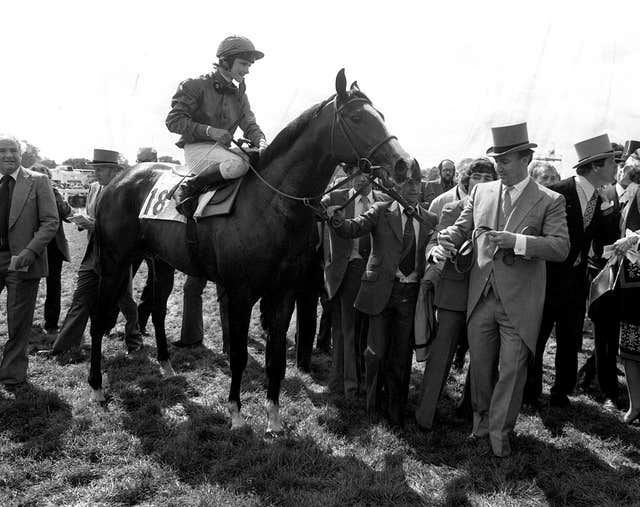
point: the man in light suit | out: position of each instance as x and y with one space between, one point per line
106 166
450 285
28 222
389 291
343 271
517 225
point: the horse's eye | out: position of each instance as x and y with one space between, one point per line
355 118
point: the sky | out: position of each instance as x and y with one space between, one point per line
83 75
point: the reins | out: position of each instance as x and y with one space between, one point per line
363 163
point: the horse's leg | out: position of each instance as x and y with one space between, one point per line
223 308
239 314
162 287
111 285
277 311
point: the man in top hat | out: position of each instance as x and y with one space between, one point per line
106 166
603 312
206 113
389 290
345 265
28 222
567 285
516 225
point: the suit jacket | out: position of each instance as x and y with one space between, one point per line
451 287
451 195
579 242
520 286
339 249
90 259
64 210
384 223
33 219
430 190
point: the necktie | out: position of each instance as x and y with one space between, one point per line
507 206
589 210
364 243
5 208
408 259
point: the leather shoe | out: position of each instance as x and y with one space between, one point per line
559 400
182 345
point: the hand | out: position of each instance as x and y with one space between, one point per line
262 146
444 240
440 253
335 214
25 259
502 239
220 135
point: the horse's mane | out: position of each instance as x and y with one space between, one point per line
287 136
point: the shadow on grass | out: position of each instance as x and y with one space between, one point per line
196 442
35 418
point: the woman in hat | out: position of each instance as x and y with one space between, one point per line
629 292
206 112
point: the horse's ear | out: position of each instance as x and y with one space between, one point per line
354 86
341 84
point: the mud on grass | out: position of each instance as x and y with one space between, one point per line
168 442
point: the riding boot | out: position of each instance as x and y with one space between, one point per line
186 194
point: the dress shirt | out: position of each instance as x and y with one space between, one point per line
585 191
413 276
357 211
14 174
620 190
516 190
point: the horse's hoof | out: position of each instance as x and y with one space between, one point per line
274 422
97 396
167 369
237 422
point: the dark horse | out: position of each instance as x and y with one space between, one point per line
254 252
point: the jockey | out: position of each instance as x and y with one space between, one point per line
206 111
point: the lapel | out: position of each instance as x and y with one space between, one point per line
20 193
424 231
574 210
527 200
625 213
492 201
393 214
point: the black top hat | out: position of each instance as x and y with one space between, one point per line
105 157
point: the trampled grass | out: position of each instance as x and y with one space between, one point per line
168 442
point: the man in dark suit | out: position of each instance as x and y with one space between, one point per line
57 253
517 225
389 290
343 271
28 222
429 190
567 286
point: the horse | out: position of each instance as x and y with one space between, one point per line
254 252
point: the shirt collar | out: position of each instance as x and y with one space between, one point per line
368 196
518 187
586 186
14 174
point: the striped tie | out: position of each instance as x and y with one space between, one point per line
589 210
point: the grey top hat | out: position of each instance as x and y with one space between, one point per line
593 149
509 139
105 157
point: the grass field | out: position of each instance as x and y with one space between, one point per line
168 442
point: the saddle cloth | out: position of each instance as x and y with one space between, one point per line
158 206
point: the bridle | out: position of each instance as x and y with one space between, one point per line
363 163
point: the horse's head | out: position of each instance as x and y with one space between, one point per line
360 136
